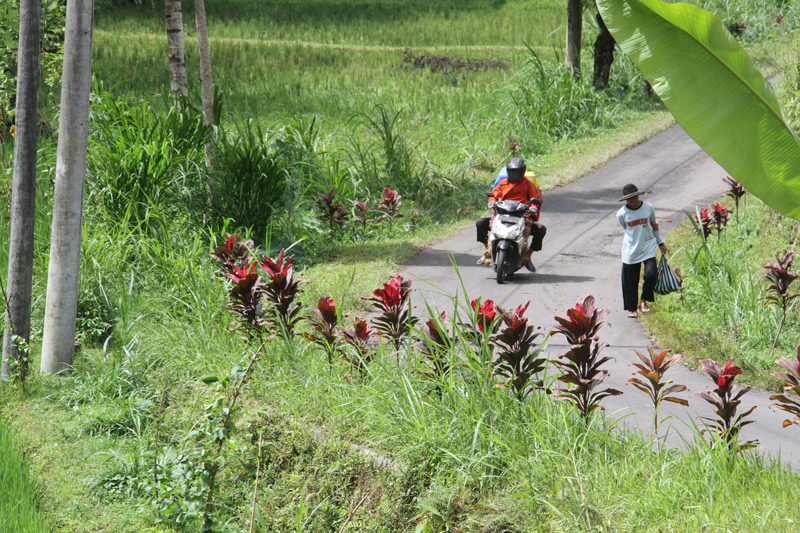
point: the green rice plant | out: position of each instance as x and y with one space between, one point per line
19 501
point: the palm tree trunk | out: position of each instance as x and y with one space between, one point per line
574 28
176 49
61 305
23 195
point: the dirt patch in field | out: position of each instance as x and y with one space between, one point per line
449 65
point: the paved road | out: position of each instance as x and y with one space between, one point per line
581 256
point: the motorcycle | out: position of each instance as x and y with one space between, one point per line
507 236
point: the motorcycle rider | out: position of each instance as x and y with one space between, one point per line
516 186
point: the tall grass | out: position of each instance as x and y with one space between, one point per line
19 501
721 311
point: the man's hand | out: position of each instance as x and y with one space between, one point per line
663 249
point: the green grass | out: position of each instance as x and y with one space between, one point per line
19 509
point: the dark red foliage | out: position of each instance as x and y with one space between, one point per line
735 191
727 424
363 210
234 252
583 322
781 277
281 289
390 206
719 217
652 369
395 320
434 345
581 365
358 337
518 356
324 320
330 211
582 374
791 379
245 300
704 221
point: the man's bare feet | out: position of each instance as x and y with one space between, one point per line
644 307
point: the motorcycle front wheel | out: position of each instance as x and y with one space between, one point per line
502 267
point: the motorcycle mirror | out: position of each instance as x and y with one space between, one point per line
536 201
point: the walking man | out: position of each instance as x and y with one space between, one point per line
639 246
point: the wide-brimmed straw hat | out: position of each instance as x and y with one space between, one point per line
629 191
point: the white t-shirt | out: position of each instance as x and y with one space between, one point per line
641 240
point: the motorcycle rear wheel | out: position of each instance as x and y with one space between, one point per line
502 266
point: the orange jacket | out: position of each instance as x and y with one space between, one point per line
522 191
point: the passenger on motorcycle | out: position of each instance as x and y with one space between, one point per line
516 186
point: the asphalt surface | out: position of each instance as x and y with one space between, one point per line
581 256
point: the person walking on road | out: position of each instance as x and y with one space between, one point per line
642 238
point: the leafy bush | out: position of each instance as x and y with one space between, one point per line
141 158
548 104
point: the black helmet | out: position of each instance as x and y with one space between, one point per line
516 169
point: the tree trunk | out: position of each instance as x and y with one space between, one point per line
176 49
206 83
61 305
603 55
23 194
574 27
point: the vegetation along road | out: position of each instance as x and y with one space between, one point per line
581 256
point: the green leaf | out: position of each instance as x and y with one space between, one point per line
714 91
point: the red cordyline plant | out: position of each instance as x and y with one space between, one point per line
791 379
518 357
434 345
329 211
652 368
719 217
581 365
234 252
727 424
324 321
781 277
392 301
358 337
281 289
361 215
704 222
245 300
483 322
390 206
583 322
736 192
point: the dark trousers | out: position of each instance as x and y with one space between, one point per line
630 283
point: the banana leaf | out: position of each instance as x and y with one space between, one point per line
714 91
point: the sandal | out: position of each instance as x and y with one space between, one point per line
644 307
633 314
